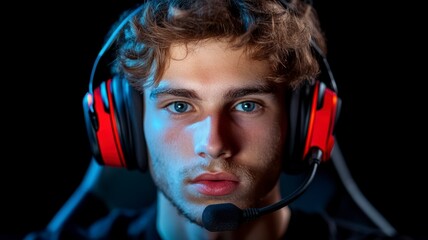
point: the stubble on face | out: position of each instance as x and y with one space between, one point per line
173 162
256 183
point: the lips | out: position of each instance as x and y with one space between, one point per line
215 184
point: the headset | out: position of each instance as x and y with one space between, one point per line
113 113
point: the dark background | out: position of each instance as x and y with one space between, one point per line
47 58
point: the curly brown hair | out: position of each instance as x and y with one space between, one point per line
281 33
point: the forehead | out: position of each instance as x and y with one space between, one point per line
214 60
181 50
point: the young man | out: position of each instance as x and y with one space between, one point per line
215 78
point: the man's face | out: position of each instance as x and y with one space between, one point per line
215 129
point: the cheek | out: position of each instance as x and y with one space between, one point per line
266 141
270 144
160 137
265 145
165 139
162 149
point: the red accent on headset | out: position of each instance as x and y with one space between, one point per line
321 123
107 134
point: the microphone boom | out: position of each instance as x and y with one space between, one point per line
228 217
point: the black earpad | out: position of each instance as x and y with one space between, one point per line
298 103
114 121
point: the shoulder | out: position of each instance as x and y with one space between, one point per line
315 225
117 224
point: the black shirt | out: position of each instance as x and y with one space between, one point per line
123 224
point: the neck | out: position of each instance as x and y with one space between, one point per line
172 225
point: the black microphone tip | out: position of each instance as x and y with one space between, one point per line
221 217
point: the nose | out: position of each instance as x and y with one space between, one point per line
212 138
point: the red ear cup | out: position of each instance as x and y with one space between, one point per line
114 122
322 119
313 111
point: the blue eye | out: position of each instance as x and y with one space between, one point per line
247 106
179 107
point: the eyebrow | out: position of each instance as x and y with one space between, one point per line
179 92
231 94
257 89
